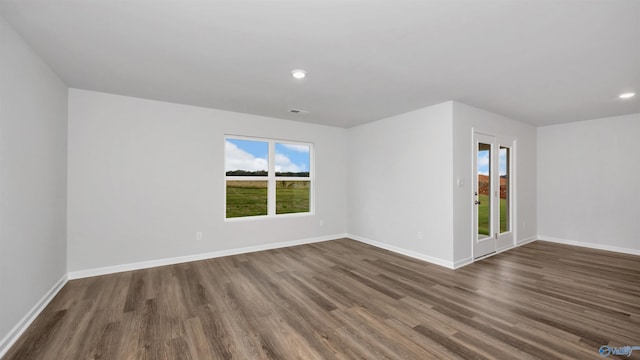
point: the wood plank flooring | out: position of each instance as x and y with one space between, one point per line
346 300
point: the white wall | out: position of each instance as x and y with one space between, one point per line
588 183
466 118
33 133
399 183
145 176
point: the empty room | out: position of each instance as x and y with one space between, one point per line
319 179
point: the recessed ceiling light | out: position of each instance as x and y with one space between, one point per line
299 74
627 95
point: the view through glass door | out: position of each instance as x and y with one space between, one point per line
492 204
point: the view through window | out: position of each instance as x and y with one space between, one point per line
484 188
266 177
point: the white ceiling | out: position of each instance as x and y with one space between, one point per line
537 61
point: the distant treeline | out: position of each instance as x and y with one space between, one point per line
293 174
265 173
247 173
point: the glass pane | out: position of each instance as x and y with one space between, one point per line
503 164
484 188
246 198
246 157
292 196
292 160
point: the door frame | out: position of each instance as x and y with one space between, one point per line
486 245
505 240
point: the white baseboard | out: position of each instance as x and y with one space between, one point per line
526 240
590 245
409 253
22 325
451 265
203 256
462 262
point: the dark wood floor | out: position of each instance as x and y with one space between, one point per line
346 300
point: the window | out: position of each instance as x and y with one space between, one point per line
265 177
504 160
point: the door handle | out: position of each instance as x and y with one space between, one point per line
477 202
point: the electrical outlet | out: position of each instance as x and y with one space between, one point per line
198 235
321 223
419 235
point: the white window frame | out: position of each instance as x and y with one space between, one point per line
271 178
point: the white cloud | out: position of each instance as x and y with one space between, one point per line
503 162
483 163
298 148
238 159
284 164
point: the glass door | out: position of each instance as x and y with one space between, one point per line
492 194
503 193
484 241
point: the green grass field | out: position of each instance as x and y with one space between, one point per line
292 200
246 201
249 198
483 215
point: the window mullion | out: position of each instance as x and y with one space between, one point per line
271 185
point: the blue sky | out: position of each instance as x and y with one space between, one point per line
483 162
287 154
252 155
